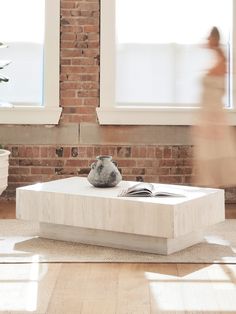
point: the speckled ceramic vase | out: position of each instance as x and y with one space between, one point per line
104 172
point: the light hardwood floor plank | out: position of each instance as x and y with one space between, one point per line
133 289
116 288
90 283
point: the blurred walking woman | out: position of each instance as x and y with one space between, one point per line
214 143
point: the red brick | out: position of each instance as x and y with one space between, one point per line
24 179
66 152
139 152
145 163
67 4
83 61
26 151
126 171
129 178
13 162
151 152
68 93
88 6
76 163
90 152
179 162
159 152
71 53
138 171
97 151
19 170
171 179
70 85
82 152
111 151
151 178
176 170
167 163
71 102
91 29
67 118
188 162
68 36
188 170
47 152
65 62
126 163
167 153
42 170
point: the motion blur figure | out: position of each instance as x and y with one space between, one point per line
214 142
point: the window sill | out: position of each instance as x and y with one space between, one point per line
29 115
152 116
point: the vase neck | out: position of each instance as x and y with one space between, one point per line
104 157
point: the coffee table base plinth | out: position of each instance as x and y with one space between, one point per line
119 240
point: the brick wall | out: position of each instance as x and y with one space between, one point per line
79 96
167 164
79 60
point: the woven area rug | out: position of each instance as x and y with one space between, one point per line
19 243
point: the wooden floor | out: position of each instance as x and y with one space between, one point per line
114 288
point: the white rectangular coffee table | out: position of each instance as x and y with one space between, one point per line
73 210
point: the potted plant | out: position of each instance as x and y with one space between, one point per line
4 165
3 63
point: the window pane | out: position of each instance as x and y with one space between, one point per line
159 54
22 31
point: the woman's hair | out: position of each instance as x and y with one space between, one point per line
215 33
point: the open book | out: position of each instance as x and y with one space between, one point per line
144 189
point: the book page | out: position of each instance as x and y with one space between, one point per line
139 189
144 189
168 191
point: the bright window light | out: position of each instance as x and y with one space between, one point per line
16 24
160 58
22 26
165 21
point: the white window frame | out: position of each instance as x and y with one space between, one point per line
49 112
110 113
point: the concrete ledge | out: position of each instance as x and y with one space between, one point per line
164 135
39 134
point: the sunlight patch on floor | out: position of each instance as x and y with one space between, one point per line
197 290
19 286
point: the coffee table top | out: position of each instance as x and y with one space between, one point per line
81 186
